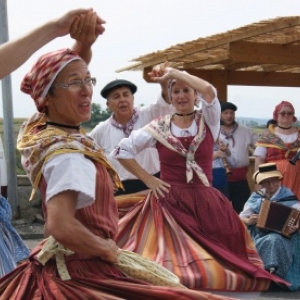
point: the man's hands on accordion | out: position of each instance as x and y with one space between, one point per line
293 228
251 220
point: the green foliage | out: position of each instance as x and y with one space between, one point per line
252 124
98 115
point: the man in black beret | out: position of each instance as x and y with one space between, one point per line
117 84
228 105
119 95
239 139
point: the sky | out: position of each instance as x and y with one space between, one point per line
138 27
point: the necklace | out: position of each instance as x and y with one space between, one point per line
285 128
184 115
63 125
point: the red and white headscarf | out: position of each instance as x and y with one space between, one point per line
279 107
38 81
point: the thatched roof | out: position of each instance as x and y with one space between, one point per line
262 53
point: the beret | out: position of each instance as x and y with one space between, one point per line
228 105
117 83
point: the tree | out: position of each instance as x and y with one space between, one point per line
97 116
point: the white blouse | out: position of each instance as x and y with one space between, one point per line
141 139
71 171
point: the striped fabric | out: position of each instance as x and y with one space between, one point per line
91 277
194 231
150 230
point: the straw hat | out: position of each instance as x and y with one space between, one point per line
265 171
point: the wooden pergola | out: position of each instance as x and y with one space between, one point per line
266 53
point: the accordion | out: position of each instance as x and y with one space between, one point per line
276 217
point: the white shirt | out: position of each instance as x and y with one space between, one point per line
243 138
141 139
71 171
231 160
108 137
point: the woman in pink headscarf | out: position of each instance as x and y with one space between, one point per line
80 258
279 144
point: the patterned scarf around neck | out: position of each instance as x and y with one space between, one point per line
269 139
230 134
38 144
161 130
129 126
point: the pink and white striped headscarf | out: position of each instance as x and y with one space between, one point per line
279 107
39 79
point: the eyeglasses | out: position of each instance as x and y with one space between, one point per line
76 84
286 113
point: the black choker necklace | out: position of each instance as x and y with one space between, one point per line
63 125
285 128
184 115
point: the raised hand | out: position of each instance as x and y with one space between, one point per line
86 29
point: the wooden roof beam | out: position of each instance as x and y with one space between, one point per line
259 53
247 78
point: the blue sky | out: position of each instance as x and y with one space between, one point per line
137 27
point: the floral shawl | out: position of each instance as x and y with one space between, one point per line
160 129
270 140
38 144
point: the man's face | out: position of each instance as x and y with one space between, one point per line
271 185
120 101
227 116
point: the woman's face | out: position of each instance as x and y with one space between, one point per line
71 105
285 116
183 97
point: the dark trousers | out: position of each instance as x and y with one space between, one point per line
224 190
239 192
133 186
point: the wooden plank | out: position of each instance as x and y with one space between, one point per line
259 53
252 78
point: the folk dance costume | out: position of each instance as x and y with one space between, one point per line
52 156
280 148
193 230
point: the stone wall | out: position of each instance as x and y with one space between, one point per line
27 209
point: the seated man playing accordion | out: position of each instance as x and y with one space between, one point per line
278 252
